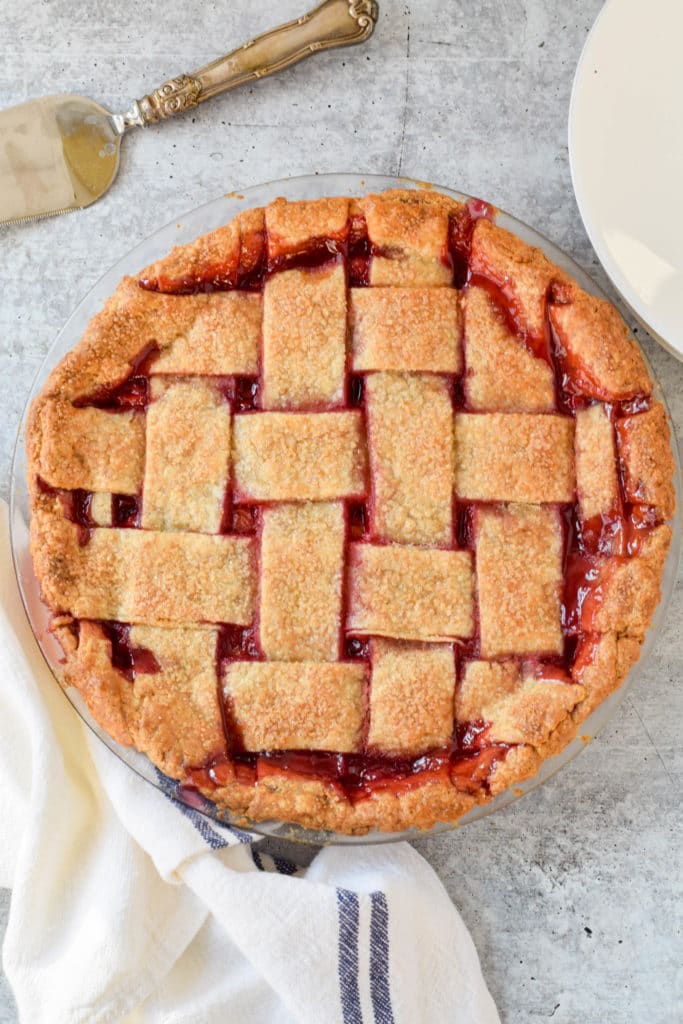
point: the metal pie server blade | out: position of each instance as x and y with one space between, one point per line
61 153
57 154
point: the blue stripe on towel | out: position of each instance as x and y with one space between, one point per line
256 857
348 911
284 866
379 959
214 839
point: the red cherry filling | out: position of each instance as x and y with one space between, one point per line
470 773
358 521
130 393
237 643
582 594
241 392
466 763
252 261
472 735
76 505
603 534
359 252
127 659
317 252
244 520
642 519
513 316
460 229
125 510
355 647
464 526
356 390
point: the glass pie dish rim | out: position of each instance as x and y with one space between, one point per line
193 223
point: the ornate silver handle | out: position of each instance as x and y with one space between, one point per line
332 23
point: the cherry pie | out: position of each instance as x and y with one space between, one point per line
349 512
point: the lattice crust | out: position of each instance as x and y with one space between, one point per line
302 560
304 339
520 707
410 421
299 456
647 460
350 511
410 236
519 577
596 466
145 576
523 273
91 449
222 340
410 593
501 374
291 226
296 705
176 716
405 329
187 458
514 457
411 698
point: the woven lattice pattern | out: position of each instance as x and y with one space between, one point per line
326 496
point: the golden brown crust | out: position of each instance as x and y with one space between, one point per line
411 697
522 272
174 713
410 232
222 340
316 805
606 360
187 458
602 663
302 562
410 593
104 689
91 448
629 590
212 259
502 375
404 335
520 764
520 707
647 459
514 457
596 465
142 575
305 705
519 575
290 226
280 456
406 329
410 419
304 339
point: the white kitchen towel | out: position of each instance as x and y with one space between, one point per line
128 906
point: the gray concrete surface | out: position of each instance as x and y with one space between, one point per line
573 894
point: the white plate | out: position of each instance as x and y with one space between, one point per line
626 156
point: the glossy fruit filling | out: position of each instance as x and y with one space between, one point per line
127 659
460 231
132 393
125 510
358 776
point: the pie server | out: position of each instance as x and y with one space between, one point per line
61 153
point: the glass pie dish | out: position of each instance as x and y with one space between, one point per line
200 221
